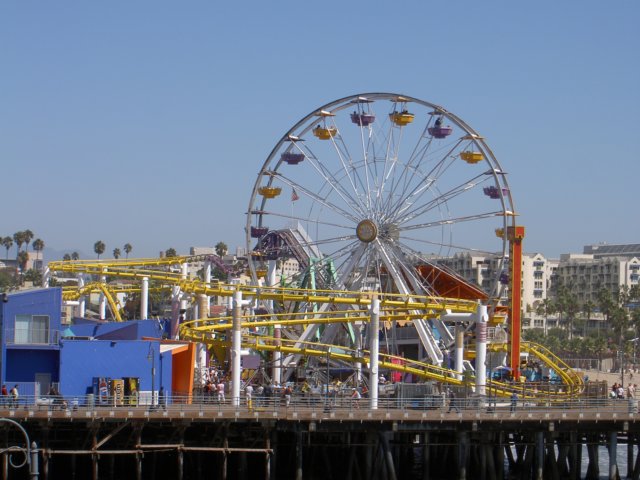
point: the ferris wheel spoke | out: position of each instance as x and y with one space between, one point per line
430 178
301 189
448 245
460 189
334 183
305 219
451 221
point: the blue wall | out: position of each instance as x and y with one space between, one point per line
131 330
21 362
82 360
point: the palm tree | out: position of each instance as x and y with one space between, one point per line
221 249
66 257
23 258
545 308
127 249
38 246
605 303
18 238
587 309
7 242
170 252
99 247
75 256
28 236
116 253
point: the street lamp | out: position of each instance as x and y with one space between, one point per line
151 356
30 453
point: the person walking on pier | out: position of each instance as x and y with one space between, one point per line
248 395
514 401
220 389
14 397
453 402
355 398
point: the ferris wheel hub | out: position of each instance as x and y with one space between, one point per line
367 231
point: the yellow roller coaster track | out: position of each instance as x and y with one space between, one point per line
393 307
212 332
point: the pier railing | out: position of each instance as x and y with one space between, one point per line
280 406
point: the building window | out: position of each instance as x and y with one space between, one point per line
538 323
32 329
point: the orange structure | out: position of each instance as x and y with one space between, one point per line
515 235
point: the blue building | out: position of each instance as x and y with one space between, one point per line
38 351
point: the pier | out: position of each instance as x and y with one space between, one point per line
341 441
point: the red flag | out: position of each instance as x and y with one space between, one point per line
294 195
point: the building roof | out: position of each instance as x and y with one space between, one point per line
606 250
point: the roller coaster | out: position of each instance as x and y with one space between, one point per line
367 197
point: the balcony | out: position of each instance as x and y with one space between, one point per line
32 337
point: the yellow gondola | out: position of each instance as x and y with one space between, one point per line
261 272
471 157
325 133
402 118
269 192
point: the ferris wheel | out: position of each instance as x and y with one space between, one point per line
380 192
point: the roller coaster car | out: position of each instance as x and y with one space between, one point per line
471 157
402 118
292 158
269 192
363 119
325 133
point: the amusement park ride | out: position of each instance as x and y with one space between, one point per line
339 219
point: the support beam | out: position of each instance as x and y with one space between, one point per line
515 235
374 352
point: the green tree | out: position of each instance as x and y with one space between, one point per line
170 252
116 253
7 282
7 242
99 247
221 249
605 302
38 246
545 308
75 256
587 309
28 236
127 249
18 238
34 276
66 257
23 259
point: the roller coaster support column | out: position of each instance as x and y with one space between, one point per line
144 298
459 358
236 344
276 374
481 350
103 299
81 300
206 302
515 236
374 350
183 301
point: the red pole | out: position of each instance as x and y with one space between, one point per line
515 235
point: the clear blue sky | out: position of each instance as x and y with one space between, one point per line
147 122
